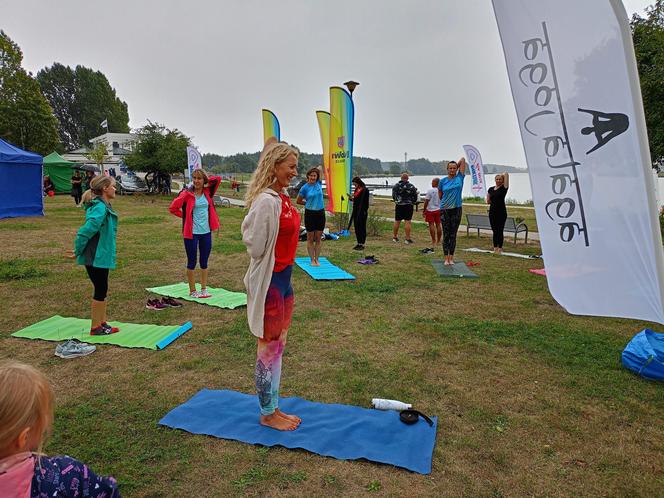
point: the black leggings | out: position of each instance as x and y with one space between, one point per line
451 220
99 278
497 221
361 228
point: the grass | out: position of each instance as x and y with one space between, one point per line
20 269
530 400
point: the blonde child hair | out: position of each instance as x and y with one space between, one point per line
26 401
97 186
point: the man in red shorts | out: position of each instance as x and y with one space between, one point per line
431 213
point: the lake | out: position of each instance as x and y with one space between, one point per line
519 190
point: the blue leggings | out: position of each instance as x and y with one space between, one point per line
202 241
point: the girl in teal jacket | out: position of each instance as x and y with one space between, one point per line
95 247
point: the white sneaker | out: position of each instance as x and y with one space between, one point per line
195 294
203 293
73 349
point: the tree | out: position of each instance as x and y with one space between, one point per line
99 155
26 119
159 150
359 169
648 37
395 168
81 99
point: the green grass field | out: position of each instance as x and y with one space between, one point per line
531 400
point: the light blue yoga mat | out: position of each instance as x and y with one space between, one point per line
326 270
344 432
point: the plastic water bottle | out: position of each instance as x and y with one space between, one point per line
390 404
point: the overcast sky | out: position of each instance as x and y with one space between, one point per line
432 73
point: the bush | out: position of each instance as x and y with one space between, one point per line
374 223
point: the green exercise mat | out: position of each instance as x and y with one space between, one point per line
131 335
221 298
457 270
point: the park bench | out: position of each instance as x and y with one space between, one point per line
481 222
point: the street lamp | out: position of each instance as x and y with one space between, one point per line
351 86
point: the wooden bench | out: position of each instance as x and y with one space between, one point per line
481 222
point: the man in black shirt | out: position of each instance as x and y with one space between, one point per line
404 195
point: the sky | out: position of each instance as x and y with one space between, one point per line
432 73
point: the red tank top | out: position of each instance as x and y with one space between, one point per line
289 234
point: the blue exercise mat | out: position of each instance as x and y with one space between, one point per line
340 431
326 270
644 355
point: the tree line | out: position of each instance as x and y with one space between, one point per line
61 108
246 163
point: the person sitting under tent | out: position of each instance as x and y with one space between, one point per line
49 188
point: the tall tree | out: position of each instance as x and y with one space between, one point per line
159 150
81 99
648 36
26 118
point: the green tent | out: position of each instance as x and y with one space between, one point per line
60 171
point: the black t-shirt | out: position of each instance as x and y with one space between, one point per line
497 200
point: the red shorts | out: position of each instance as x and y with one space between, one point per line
432 216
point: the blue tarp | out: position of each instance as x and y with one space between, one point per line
644 354
21 188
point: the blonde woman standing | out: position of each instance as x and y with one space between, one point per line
311 197
270 231
94 247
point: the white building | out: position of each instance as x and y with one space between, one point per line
118 145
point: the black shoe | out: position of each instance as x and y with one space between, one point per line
359 247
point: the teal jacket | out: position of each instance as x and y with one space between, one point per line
95 240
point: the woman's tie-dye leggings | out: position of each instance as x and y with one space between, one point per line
278 314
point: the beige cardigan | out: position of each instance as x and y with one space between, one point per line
259 233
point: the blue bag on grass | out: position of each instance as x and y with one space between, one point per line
644 355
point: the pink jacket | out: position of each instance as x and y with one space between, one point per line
183 207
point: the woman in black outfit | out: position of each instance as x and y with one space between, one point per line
497 210
360 212
77 187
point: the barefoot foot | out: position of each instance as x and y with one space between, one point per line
274 421
292 418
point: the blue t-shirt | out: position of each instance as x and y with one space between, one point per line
201 216
313 194
451 189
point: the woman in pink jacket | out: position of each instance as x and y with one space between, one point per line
199 219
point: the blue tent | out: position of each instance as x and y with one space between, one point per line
21 187
644 354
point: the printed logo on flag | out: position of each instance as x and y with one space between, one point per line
341 141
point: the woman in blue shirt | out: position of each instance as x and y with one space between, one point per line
449 192
311 197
